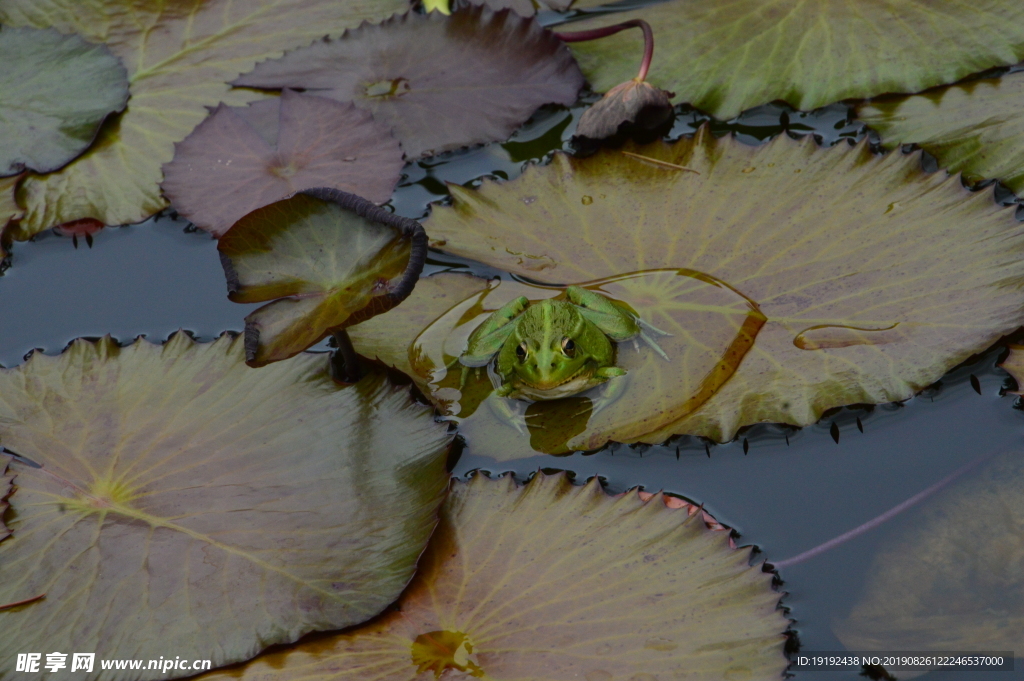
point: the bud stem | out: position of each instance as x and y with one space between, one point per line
594 34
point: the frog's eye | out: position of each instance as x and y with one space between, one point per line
568 347
521 351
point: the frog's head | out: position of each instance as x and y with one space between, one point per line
553 345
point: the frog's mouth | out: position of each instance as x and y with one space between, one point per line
570 385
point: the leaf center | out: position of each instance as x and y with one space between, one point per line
388 88
438 651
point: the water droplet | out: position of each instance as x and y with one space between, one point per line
828 336
529 199
587 200
660 644
891 207
749 170
349 159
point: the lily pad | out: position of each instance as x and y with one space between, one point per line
725 57
951 578
179 58
238 160
975 128
187 503
554 582
440 82
57 90
844 253
327 259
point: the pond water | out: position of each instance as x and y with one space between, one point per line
783 490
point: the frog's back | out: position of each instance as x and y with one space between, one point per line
547 322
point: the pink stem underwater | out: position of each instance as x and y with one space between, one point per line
878 520
594 34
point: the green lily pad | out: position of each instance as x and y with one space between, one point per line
975 128
179 58
238 160
440 82
950 579
844 253
555 582
725 57
187 503
326 259
57 90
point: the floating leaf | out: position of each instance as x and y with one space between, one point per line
179 58
975 128
187 503
951 578
440 82
226 168
326 259
551 581
728 56
845 253
57 90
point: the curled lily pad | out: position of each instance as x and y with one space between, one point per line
57 90
844 253
440 82
728 56
1014 365
239 160
186 502
10 211
554 582
326 259
950 578
180 57
975 128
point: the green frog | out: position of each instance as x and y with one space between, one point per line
555 348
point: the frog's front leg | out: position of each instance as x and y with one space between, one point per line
613 388
509 411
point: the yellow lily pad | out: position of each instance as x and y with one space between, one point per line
976 128
188 503
552 582
180 57
730 55
846 255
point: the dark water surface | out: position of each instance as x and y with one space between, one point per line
785 498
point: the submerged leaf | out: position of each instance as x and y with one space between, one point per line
179 56
238 160
57 89
731 55
845 253
555 582
440 82
976 128
326 259
187 503
951 578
